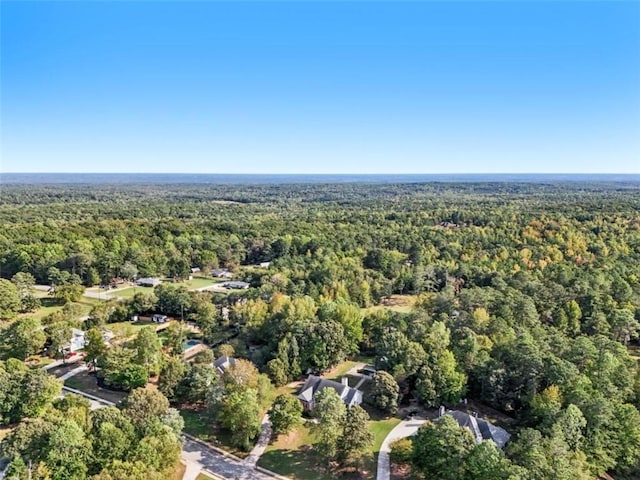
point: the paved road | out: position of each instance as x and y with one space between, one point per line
406 428
197 457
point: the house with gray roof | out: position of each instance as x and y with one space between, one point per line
480 428
236 285
148 282
222 364
314 384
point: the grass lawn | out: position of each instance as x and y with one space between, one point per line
291 455
196 424
380 429
88 384
340 370
51 305
127 329
200 282
129 292
397 303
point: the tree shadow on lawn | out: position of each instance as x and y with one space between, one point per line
304 464
299 464
88 383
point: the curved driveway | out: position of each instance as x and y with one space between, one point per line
406 428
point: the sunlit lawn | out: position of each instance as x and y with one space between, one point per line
340 370
129 292
200 282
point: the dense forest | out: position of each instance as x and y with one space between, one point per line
526 300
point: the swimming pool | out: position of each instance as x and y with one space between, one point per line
190 344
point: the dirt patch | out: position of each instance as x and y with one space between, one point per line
400 472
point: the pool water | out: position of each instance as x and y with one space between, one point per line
190 343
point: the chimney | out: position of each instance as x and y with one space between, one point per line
345 381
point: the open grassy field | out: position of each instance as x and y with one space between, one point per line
397 303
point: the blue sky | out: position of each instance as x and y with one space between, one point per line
320 87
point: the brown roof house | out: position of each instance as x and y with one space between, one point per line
350 396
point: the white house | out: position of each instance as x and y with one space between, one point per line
78 340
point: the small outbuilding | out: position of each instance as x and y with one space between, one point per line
221 273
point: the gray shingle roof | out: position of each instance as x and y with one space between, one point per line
480 428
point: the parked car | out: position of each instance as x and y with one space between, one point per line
69 355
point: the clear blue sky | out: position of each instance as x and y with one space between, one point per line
320 87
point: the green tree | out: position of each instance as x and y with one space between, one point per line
285 413
59 335
487 462
67 451
239 414
108 443
9 300
142 303
148 349
356 439
171 374
25 282
440 449
94 347
439 381
197 383
142 406
23 338
68 293
331 413
384 392
277 371
160 451
401 451
177 334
